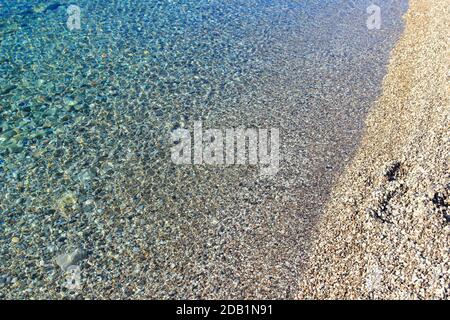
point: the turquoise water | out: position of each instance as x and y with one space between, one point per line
86 116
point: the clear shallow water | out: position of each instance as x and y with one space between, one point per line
85 147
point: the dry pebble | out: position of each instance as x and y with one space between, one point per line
385 233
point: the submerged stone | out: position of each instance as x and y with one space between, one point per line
66 260
39 8
69 102
15 148
53 6
7 89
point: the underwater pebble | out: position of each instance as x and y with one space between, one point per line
7 89
68 259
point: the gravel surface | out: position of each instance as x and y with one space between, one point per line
88 191
385 233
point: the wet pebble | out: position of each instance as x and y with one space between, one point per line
68 259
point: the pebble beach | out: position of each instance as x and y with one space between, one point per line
357 209
385 233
